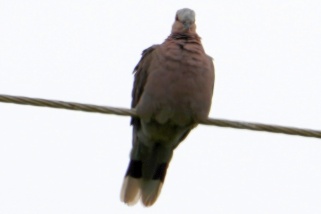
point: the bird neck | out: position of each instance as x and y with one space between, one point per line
184 36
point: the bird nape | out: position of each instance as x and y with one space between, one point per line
172 91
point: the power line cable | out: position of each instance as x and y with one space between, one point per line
131 112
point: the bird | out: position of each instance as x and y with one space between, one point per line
172 93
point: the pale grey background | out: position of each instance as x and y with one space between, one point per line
267 56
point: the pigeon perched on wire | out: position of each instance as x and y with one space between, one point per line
172 91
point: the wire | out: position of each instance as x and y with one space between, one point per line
131 112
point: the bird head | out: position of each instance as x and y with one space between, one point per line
184 21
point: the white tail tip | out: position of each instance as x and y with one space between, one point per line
150 191
130 192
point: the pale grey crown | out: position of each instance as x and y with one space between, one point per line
185 15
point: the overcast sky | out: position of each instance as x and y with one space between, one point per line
267 58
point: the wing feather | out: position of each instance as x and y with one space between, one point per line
140 78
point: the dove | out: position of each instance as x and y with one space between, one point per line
172 93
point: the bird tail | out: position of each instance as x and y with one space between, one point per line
145 177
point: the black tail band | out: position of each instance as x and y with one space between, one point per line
134 169
160 172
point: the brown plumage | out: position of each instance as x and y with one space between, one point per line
172 91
